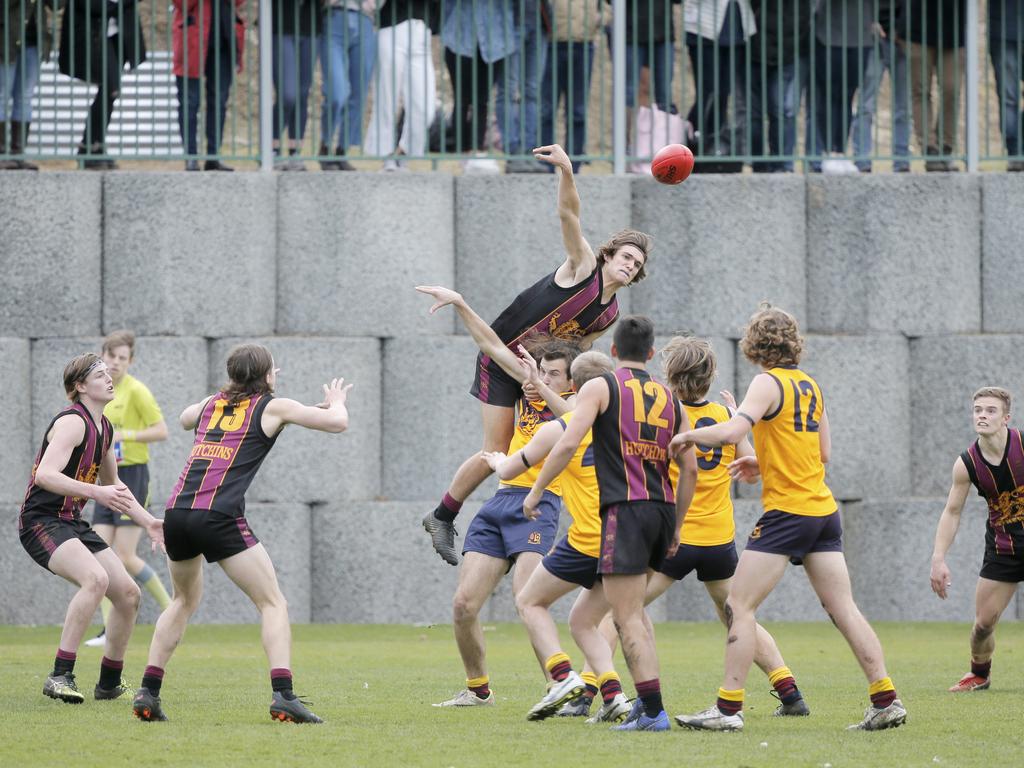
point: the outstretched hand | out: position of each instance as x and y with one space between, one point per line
553 154
335 393
729 399
528 366
444 296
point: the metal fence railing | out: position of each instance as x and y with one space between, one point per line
834 86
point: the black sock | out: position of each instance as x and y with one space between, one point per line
110 673
281 682
152 679
63 663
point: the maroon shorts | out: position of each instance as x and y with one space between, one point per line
492 385
635 536
783 533
42 534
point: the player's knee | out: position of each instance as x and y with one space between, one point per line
131 596
984 626
463 609
96 583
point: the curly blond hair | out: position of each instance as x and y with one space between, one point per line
689 366
772 338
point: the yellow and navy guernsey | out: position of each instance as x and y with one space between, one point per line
133 408
788 449
709 520
1002 487
229 448
83 465
581 496
632 436
530 416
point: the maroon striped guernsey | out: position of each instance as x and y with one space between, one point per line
83 465
632 436
229 448
1002 487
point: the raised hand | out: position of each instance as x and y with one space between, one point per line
444 296
335 393
728 398
528 366
553 154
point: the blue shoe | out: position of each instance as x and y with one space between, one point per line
645 723
635 712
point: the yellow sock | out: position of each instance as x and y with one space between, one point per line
606 677
105 607
481 686
590 679
778 674
155 587
880 686
730 702
556 659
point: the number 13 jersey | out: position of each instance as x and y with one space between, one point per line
229 448
631 439
788 449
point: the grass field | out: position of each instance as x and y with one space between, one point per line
374 685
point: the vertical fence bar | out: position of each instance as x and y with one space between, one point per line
619 87
972 92
266 88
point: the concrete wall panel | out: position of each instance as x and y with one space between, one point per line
1002 295
19 444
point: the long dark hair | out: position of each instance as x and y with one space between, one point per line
248 366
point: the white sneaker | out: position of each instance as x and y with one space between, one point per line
481 164
392 164
712 719
559 693
466 698
875 719
97 642
615 711
838 165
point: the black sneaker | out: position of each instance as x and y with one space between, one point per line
106 694
442 536
63 688
146 706
291 710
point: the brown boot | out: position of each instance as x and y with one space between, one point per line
19 136
5 163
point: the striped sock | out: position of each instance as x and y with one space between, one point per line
882 693
610 686
730 702
64 662
281 682
559 666
110 672
448 509
590 680
481 686
649 692
981 669
152 679
784 683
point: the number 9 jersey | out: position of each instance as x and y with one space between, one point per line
788 449
230 446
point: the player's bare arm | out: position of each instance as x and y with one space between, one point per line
825 437
329 415
189 417
949 524
591 400
745 467
509 467
153 527
762 397
154 433
66 435
580 260
687 462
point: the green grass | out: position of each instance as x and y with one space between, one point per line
374 685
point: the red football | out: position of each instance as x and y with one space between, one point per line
672 164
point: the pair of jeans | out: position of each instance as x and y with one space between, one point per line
774 93
1007 59
836 78
886 56
218 74
517 99
17 82
405 68
717 71
293 75
660 59
348 51
102 107
567 76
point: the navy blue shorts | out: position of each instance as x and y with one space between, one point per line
635 536
136 477
713 563
783 533
492 385
567 563
500 529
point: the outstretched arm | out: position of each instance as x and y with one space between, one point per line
762 396
330 415
579 258
534 452
949 523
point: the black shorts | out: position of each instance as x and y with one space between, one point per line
136 477
492 385
783 533
42 534
215 535
996 567
567 563
635 536
713 563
